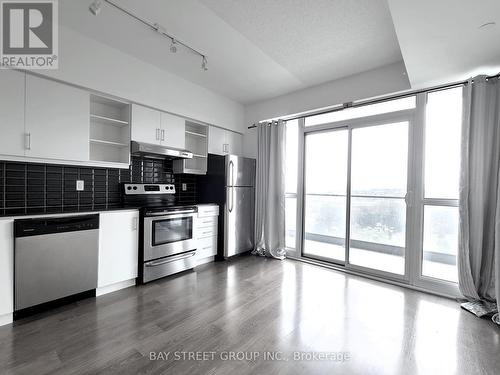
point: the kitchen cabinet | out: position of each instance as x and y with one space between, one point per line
6 270
206 232
57 120
156 127
118 246
196 141
223 142
235 143
146 124
12 97
216 140
172 131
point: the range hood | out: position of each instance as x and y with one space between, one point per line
156 151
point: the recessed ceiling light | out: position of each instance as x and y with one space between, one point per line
487 25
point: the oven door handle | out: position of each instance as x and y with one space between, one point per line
170 259
171 213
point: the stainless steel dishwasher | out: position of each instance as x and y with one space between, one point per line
54 259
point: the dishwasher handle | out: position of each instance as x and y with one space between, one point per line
42 226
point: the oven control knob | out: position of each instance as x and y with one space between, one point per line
135 187
171 188
129 187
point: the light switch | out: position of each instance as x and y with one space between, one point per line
80 186
184 187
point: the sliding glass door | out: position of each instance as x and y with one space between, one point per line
325 193
355 188
379 166
376 189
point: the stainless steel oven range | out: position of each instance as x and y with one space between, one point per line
167 239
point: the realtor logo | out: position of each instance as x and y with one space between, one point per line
29 34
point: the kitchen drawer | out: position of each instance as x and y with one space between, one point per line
207 247
205 210
206 222
208 231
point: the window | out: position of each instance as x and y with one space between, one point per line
441 177
291 167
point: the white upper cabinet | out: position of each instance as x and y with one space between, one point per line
235 143
223 142
156 127
57 120
216 140
12 92
173 131
146 125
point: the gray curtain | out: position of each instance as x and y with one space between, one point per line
270 191
479 242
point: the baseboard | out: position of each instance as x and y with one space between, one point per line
6 319
114 287
199 262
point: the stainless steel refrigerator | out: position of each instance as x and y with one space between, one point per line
230 182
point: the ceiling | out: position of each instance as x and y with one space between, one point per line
441 41
257 49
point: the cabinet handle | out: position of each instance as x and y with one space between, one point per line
28 141
157 134
163 134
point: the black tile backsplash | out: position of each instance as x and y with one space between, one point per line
29 188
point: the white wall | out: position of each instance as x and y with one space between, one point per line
389 79
86 62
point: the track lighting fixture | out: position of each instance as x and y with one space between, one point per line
95 7
173 46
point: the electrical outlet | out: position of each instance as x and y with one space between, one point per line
184 187
80 186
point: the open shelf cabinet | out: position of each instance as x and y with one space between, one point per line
109 135
196 142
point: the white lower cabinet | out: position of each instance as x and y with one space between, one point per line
206 232
6 270
118 246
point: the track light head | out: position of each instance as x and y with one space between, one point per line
95 7
204 63
173 46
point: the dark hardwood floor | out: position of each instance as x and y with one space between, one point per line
258 305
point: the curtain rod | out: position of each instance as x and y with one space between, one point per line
343 106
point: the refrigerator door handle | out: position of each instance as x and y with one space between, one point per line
231 201
231 172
